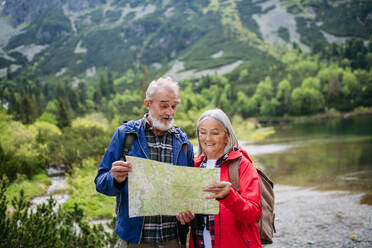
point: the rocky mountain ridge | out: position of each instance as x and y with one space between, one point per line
67 36
21 11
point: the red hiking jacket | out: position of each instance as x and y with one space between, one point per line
236 223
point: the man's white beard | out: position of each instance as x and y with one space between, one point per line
158 124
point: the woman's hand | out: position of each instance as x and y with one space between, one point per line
185 217
220 190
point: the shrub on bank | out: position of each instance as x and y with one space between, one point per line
12 165
43 227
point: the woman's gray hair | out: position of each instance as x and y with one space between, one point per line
222 118
165 82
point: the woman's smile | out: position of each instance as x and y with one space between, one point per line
213 138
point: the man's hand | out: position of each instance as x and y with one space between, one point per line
185 217
120 169
220 190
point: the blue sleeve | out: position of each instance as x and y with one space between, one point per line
104 180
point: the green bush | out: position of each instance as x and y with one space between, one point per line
44 227
11 165
75 144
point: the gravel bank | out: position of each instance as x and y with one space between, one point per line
309 218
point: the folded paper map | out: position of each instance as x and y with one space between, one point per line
157 188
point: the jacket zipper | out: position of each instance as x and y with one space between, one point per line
143 221
140 145
178 231
219 227
126 154
118 212
143 151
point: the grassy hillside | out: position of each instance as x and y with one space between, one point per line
97 56
120 36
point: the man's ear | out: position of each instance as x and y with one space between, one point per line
147 104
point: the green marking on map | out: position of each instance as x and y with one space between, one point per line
157 188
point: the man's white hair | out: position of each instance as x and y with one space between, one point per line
163 82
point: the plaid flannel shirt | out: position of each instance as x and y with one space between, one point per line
159 228
199 239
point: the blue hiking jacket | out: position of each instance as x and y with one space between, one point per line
130 229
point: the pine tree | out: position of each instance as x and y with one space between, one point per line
110 84
60 92
45 90
97 97
103 87
27 110
39 104
73 98
82 90
12 101
63 116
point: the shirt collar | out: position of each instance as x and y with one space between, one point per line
220 160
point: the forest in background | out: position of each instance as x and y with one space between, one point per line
52 124
337 78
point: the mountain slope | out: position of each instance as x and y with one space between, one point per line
75 36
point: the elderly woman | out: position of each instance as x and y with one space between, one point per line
236 223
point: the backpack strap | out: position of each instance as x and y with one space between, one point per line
234 173
129 139
185 148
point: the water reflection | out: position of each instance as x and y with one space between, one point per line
334 154
267 148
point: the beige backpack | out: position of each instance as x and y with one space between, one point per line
266 222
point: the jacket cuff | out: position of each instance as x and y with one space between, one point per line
229 197
115 187
118 185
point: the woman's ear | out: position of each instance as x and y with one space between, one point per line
227 135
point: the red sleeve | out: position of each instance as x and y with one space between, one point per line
246 205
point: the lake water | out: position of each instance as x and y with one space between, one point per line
334 154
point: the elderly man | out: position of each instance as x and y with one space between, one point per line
156 139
